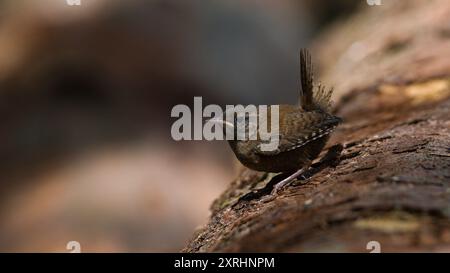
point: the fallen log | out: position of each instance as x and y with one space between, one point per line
390 185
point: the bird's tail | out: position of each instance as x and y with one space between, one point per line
312 98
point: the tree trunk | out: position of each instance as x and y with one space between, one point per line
390 65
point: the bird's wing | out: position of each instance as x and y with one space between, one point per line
299 128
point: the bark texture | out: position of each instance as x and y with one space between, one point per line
391 67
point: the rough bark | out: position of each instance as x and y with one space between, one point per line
391 182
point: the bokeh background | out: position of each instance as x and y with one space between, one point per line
85 99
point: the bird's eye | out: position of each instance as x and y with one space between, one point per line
242 119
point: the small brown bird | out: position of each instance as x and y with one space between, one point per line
303 131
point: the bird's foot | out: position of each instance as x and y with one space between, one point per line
332 157
287 181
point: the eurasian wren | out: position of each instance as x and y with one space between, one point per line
303 132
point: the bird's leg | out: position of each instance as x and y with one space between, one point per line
290 178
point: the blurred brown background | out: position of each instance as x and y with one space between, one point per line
85 99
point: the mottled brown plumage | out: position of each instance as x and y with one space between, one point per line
302 135
303 131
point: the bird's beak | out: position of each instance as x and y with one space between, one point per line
221 121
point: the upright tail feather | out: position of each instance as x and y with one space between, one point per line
311 99
306 79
